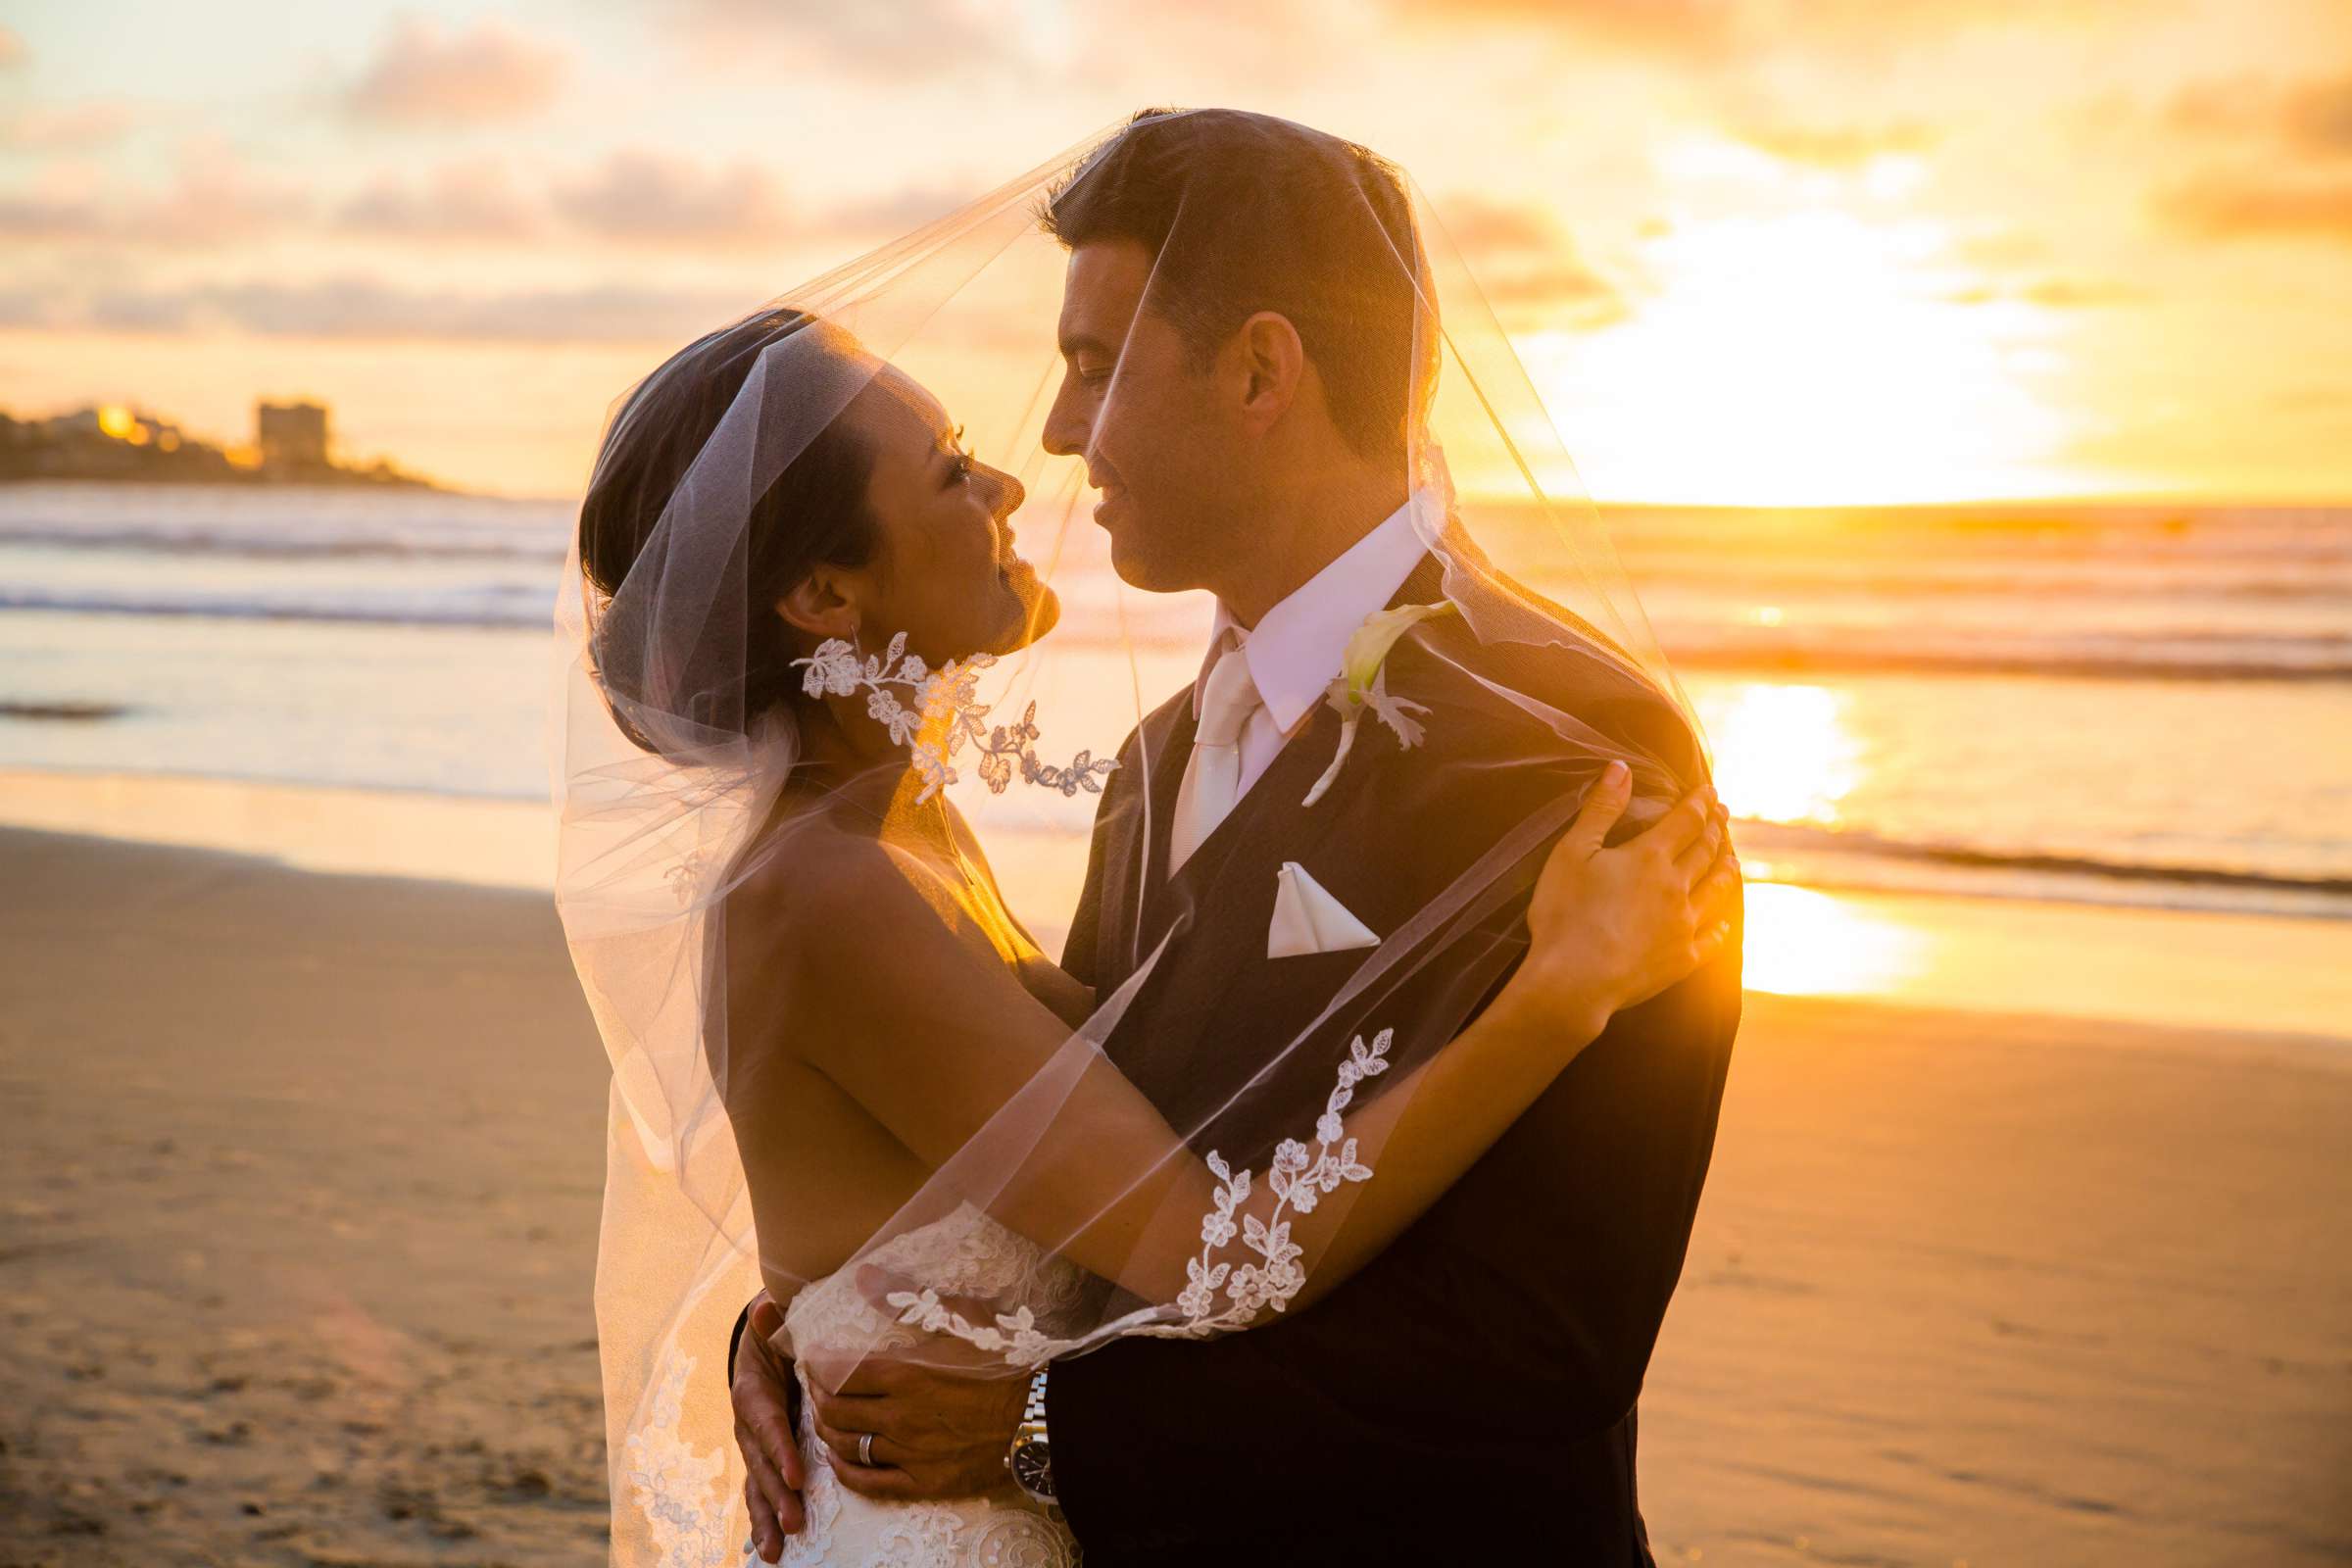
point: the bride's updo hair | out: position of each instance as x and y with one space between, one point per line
813 514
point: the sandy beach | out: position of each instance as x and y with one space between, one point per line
302 1176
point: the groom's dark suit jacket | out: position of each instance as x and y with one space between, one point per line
1470 1392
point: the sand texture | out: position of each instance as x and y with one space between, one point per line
299 1215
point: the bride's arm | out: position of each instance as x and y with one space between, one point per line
934 1037
1071 999
1607 928
864 965
1052 986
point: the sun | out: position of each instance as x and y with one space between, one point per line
1809 355
1783 753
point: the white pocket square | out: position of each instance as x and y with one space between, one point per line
1308 919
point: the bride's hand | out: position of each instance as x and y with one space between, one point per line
1612 926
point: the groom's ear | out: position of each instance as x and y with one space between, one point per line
820 604
1269 363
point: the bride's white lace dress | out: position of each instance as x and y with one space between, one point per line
967 1254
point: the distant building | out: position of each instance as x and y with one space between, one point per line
291 436
117 441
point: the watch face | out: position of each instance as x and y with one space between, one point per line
1031 1468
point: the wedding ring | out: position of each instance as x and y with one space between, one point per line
866 1450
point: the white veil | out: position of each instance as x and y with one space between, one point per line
1152 1205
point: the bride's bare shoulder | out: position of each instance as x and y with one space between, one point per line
821 886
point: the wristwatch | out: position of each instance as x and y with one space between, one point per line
1029 1461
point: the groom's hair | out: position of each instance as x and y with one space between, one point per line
1246 213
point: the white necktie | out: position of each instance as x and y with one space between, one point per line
1212 775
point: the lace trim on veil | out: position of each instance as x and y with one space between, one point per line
947 711
1297 1179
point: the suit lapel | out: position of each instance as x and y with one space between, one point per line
1137 847
1221 901
1262 822
1259 820
1215 974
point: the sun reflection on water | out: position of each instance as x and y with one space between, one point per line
1799 943
1783 753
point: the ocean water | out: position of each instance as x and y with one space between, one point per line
2135 705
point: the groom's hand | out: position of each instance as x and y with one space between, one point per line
773 1472
936 1434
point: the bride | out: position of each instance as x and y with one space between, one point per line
826 1017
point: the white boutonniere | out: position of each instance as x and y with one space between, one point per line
1362 683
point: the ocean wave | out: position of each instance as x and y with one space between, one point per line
455 545
1741 569
1815 852
497 608
530 604
2324 659
1754 578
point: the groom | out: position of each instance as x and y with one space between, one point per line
1469 1395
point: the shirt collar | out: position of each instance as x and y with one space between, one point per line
1297 647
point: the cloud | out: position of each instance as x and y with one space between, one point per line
2051 293
640 198
1527 263
2019 266
217 198
214 199
1568 290
1251 48
13 52
424 76
1672 28
1840 147
2311 399
896 211
2003 248
2319 116
68 127
909 39
2313 117
369 309
2220 106
2259 206
475 199
657 198
1739 33
1483 226
39 218
26 307
2076 293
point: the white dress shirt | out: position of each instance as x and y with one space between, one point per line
1295 650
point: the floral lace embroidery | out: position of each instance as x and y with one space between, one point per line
1298 1180
973 1534
964 1253
821 1500
920 1534
672 1483
947 711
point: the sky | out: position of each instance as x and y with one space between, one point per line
1749 251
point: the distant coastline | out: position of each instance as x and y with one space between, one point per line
122 445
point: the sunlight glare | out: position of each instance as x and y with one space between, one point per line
1783 754
1813 356
1800 942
